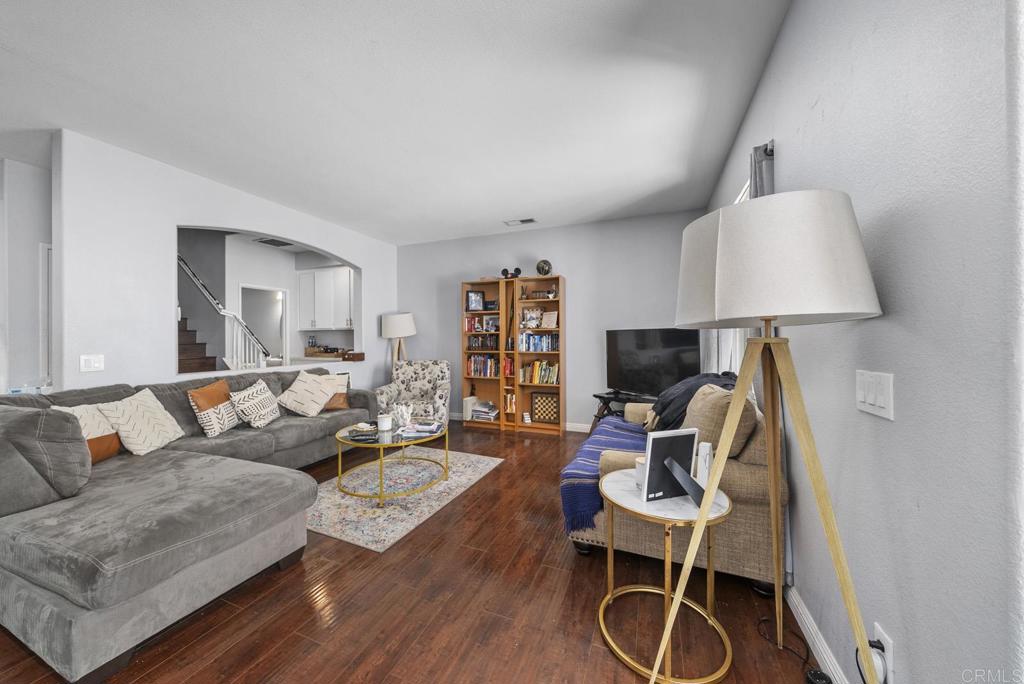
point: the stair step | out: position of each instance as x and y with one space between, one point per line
197 365
186 337
194 350
183 324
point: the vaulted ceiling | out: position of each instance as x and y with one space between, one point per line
409 121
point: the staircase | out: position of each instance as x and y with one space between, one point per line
192 356
243 349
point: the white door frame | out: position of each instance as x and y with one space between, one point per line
285 303
45 310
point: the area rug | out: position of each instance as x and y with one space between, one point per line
360 521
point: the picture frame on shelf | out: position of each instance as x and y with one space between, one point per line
545 407
491 323
474 300
526 417
549 319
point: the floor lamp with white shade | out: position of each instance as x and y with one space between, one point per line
793 258
397 326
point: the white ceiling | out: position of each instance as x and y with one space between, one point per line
410 121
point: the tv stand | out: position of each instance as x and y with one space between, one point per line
616 397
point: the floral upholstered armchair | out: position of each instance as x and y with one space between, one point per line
425 386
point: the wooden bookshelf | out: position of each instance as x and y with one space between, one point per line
514 298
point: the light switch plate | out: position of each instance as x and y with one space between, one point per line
90 363
874 393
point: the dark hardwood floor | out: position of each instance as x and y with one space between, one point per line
487 590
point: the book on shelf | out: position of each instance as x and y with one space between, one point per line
508 368
538 342
486 411
482 343
482 366
539 373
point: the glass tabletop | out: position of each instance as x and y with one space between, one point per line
390 438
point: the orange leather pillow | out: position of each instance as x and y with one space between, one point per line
338 401
208 396
102 448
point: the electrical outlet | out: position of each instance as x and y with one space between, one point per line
890 655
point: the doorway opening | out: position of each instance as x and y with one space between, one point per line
264 310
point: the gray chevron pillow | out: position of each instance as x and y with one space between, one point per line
142 422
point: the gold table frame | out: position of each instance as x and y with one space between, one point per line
707 612
341 437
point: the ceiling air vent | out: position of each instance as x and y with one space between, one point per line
274 242
512 223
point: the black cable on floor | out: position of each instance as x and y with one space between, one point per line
805 657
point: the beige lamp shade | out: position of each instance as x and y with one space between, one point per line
793 256
397 325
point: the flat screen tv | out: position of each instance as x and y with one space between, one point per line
652 360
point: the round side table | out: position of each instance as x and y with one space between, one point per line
621 493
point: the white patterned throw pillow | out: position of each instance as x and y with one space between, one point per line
142 422
308 395
256 405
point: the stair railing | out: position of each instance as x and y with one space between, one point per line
243 350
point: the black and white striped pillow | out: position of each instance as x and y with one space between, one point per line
308 395
256 405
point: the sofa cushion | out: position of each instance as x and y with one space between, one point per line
92 395
243 442
141 520
142 422
293 431
26 400
174 397
706 412
43 458
336 420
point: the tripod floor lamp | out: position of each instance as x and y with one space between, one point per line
793 258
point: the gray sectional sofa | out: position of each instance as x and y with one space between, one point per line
94 559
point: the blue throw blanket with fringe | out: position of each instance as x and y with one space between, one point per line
581 499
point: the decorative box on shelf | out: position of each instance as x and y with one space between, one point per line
339 354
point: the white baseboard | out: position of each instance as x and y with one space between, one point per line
819 647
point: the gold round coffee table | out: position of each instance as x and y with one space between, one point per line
385 441
620 492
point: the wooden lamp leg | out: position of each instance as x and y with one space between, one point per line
773 441
809 451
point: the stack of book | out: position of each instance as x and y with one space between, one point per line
486 411
367 434
482 366
539 373
421 429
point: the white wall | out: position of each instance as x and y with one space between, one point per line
115 221
25 219
904 106
619 274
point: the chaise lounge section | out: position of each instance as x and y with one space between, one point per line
96 558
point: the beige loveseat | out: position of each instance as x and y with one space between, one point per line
743 544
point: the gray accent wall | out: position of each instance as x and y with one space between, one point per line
904 106
619 274
204 251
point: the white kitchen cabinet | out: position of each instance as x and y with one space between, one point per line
325 299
